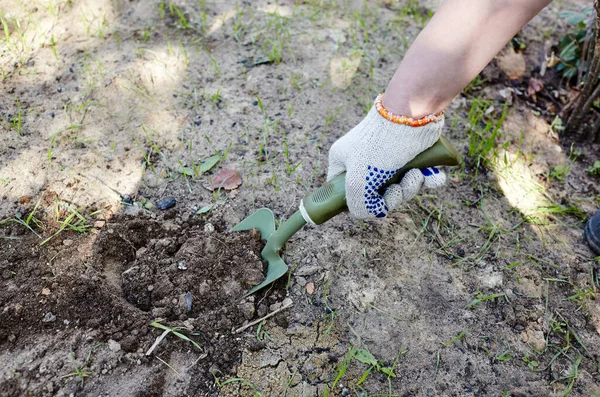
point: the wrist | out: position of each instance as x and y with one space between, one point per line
401 118
417 107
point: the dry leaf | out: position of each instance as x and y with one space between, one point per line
226 179
534 87
512 63
310 288
45 291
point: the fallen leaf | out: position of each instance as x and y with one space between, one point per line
186 171
512 63
209 163
226 179
45 291
534 87
203 210
310 288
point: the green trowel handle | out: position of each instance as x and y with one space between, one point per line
330 199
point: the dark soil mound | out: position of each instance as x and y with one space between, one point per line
139 270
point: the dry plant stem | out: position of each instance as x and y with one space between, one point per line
237 331
596 131
589 41
591 87
157 341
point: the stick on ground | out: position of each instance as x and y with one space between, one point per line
290 303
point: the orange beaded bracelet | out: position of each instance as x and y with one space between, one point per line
432 118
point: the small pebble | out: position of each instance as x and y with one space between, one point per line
181 266
310 288
127 199
188 301
114 346
67 242
49 317
166 203
209 227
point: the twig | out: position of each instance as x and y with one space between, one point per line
202 356
237 331
167 364
157 341
589 37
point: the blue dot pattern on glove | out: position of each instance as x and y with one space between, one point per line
375 178
430 171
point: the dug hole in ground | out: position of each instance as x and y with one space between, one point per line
136 134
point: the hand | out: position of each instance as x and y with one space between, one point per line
372 152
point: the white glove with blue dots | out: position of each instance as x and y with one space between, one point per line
372 152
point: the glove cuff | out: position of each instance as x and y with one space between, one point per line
386 114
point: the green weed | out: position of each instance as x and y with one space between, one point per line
594 169
75 221
53 46
484 130
572 45
479 298
177 331
82 371
31 220
560 172
17 121
239 380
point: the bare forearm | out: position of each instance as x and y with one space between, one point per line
460 40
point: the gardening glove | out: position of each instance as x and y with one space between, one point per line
372 152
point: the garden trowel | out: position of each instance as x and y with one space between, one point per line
322 205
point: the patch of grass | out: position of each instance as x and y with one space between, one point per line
82 371
239 380
222 155
455 339
261 334
531 363
560 172
479 298
31 220
17 121
594 169
365 357
289 167
53 46
175 331
584 296
571 377
484 129
74 221
215 99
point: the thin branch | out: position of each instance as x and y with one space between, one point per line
237 331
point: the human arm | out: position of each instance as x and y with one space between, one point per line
458 42
461 38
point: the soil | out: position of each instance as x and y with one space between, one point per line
109 222
94 293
